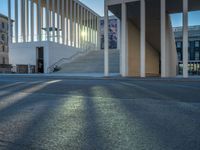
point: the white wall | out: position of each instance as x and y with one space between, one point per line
59 51
171 52
25 53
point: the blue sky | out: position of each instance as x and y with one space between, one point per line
98 6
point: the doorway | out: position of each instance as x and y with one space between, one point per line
40 60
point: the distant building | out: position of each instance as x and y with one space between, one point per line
193 49
46 33
114 30
4 40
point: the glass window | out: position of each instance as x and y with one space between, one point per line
3 37
2 24
197 55
189 44
196 43
4 61
178 44
179 56
3 48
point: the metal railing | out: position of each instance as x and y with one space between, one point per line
193 67
88 48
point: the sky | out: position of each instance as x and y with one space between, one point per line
98 6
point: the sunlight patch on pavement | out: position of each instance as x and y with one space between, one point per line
118 125
63 124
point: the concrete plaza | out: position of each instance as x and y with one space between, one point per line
43 112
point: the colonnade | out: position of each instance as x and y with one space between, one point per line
124 41
66 22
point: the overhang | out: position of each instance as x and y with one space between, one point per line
152 14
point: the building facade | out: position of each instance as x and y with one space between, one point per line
4 40
113 34
46 32
147 38
193 49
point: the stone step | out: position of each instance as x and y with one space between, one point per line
93 62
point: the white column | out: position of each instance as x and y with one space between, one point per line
71 24
9 23
96 30
81 30
185 38
66 31
32 22
58 21
78 23
53 10
118 34
84 25
23 34
163 38
106 54
98 34
63 21
87 29
93 18
26 20
47 18
124 50
39 20
142 38
74 24
16 21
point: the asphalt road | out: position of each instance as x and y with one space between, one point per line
71 114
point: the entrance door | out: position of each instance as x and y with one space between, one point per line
40 59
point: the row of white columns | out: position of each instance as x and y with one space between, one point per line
72 23
124 43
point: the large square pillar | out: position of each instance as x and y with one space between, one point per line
106 55
163 38
142 38
124 43
9 23
39 20
185 38
47 19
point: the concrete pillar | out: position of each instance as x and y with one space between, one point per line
142 38
53 10
81 28
87 26
78 23
9 23
58 21
124 50
32 21
118 34
47 19
74 24
22 18
98 34
63 21
84 27
71 25
67 13
106 53
185 38
16 21
163 38
39 20
26 20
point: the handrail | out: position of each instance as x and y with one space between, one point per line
67 60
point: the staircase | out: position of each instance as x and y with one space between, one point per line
93 62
